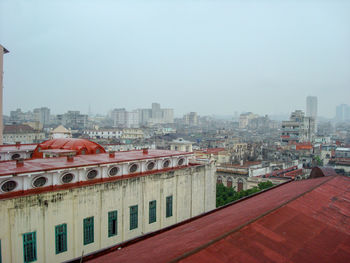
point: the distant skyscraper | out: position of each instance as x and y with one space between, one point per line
343 113
311 106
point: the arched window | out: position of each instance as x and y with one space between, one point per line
219 180
229 182
239 185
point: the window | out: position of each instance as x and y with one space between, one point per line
166 163
229 182
181 161
169 206
150 166
61 238
113 171
88 230
92 174
133 217
67 178
29 247
8 186
112 223
133 168
15 156
219 180
40 181
152 211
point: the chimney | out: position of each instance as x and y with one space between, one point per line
145 151
70 158
20 162
111 154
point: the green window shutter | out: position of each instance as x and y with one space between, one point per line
152 211
88 230
169 206
112 223
61 238
29 247
133 217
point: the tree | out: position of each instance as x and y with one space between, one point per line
225 195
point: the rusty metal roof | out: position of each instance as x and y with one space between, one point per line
300 221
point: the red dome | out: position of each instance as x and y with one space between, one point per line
81 146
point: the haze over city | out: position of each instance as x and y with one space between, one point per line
212 57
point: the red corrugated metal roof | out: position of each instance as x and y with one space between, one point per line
301 221
312 228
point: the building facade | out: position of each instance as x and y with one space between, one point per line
299 128
21 133
56 209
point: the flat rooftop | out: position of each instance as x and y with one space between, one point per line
15 148
299 221
45 164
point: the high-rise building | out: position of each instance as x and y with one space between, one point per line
73 120
42 114
299 128
155 115
191 119
343 113
125 119
311 106
2 52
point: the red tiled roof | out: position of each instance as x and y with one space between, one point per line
300 221
18 128
36 165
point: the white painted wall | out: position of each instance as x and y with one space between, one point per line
192 188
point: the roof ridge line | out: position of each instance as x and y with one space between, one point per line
196 250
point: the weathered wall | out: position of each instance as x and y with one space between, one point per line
192 188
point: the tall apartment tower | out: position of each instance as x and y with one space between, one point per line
311 106
2 52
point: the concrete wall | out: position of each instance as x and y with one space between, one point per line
192 188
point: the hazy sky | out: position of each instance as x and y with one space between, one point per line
213 57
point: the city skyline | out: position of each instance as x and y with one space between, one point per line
205 56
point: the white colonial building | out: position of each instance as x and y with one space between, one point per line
55 209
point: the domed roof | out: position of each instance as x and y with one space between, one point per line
81 146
